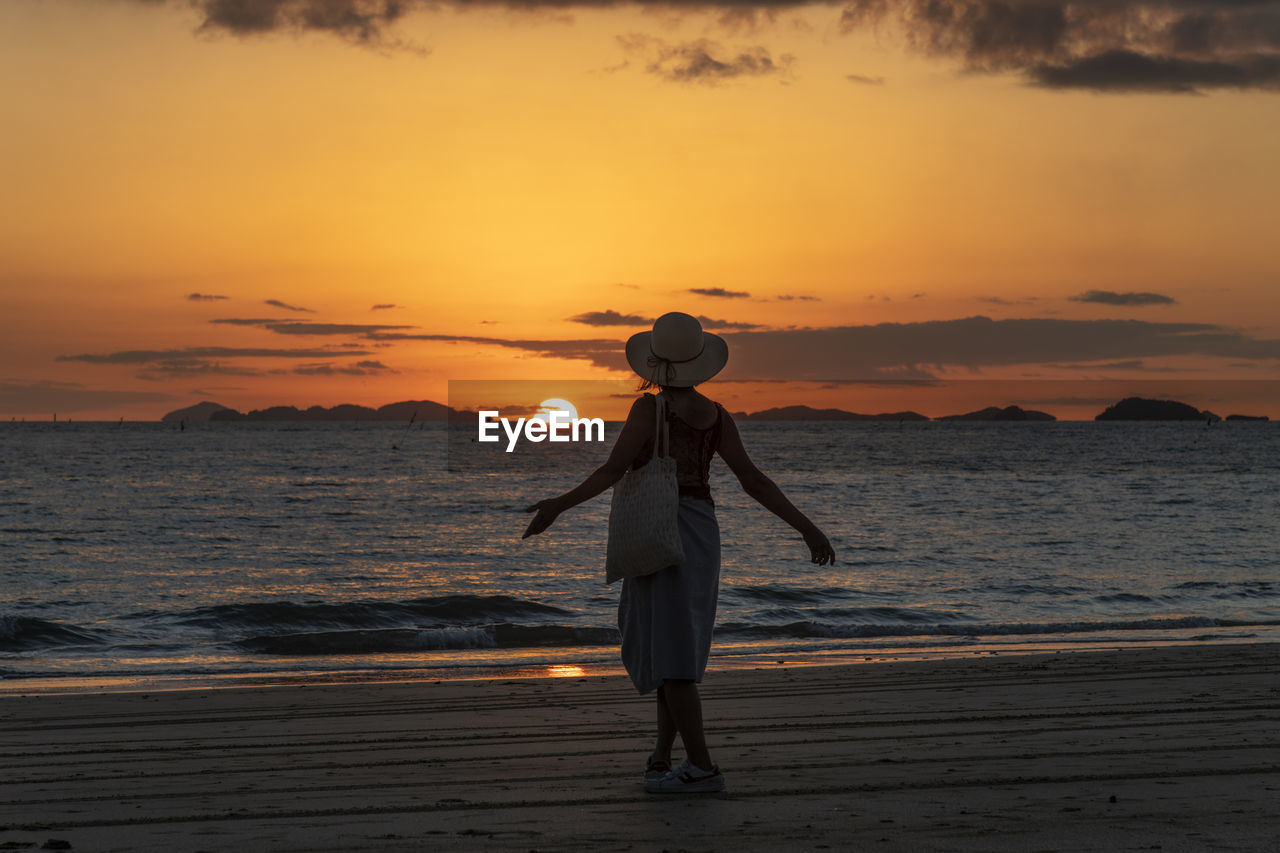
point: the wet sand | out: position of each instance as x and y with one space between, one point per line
1169 748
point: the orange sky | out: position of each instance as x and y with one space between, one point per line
493 174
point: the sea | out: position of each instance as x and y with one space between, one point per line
143 555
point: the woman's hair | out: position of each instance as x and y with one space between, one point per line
649 385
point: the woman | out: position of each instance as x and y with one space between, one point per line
667 618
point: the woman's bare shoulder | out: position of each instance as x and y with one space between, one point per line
642 407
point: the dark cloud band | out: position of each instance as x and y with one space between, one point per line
1174 46
359 368
304 327
1110 297
1124 70
609 317
911 350
286 306
719 292
702 60
204 353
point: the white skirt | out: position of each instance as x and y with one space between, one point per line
667 618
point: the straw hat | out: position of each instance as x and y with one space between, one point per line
677 353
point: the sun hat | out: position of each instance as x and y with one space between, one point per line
677 353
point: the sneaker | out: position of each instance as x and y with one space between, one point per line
655 769
688 778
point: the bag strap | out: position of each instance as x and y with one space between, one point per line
661 432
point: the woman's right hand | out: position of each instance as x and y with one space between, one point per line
546 513
820 548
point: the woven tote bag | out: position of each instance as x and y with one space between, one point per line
644 534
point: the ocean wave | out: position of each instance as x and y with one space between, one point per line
1220 591
401 640
446 609
882 615
792 595
807 629
26 633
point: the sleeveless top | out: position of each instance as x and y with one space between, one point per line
692 449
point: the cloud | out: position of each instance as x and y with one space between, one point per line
48 397
1110 297
975 343
1132 364
604 352
719 292
1000 300
175 355
702 60
278 304
1127 71
172 367
787 297
1175 46
910 376
609 317
905 351
246 321
711 323
363 22
385 306
371 23
306 327
205 297
328 328
359 368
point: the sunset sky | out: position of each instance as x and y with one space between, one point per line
310 202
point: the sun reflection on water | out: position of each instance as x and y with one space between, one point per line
565 670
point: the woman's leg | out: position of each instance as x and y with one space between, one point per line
666 729
685 707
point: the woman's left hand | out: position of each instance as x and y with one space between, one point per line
820 550
546 513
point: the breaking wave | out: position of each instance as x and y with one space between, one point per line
303 616
27 633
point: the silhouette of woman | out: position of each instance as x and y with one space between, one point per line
667 618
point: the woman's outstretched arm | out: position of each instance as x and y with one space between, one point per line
767 493
639 426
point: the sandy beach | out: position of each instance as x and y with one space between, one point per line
1164 748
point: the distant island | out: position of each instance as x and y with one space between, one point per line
417 410
995 413
1139 409
1128 409
806 413
199 412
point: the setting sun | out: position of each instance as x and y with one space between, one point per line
555 404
